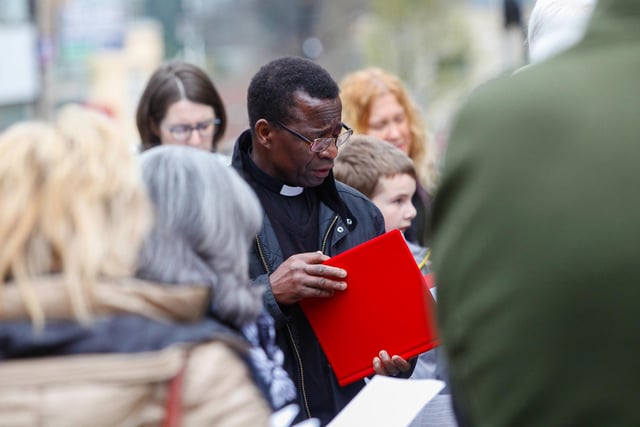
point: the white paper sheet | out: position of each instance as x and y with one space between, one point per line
387 402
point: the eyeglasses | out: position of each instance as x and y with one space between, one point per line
182 133
318 145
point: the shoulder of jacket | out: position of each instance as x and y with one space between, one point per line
360 206
349 193
355 200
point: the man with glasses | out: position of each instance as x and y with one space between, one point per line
287 157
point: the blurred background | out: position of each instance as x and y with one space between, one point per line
101 52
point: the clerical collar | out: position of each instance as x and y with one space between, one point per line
271 183
290 191
327 191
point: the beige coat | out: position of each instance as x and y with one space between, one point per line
211 385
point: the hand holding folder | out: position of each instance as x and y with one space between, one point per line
386 306
391 366
303 276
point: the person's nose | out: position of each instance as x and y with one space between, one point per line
392 132
194 139
330 152
411 211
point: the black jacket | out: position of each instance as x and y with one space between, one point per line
342 227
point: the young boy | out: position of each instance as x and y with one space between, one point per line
385 174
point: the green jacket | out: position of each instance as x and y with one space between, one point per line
537 238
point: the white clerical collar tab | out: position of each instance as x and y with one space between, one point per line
291 191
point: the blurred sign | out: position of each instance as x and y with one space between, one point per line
19 81
86 26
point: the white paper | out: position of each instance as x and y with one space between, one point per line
285 416
387 402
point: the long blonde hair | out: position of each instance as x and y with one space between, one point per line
360 88
71 202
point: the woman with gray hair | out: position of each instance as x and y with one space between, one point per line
82 341
206 217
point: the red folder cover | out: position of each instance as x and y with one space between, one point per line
430 281
386 306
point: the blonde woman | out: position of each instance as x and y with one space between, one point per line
83 343
377 103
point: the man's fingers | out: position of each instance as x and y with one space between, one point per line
381 367
323 287
327 285
318 293
401 364
326 271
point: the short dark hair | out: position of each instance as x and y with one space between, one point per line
270 93
163 90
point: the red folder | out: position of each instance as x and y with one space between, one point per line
429 281
386 306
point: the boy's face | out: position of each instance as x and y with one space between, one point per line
393 197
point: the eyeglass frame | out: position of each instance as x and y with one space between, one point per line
197 127
320 141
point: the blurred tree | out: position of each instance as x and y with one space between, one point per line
288 23
425 42
168 12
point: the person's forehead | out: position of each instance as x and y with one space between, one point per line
385 104
316 112
396 183
188 112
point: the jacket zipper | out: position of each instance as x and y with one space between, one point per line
300 372
326 235
289 332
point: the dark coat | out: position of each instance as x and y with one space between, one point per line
319 394
536 229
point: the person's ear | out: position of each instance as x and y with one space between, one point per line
264 133
155 129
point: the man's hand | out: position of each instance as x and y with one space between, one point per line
390 366
304 276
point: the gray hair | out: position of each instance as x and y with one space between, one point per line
556 25
206 217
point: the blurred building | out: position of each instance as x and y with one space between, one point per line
101 52
20 84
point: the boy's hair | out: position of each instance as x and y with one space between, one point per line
365 159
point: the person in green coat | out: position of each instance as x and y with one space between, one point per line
536 233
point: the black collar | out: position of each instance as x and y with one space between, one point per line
241 160
268 182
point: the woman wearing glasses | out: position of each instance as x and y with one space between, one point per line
180 105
